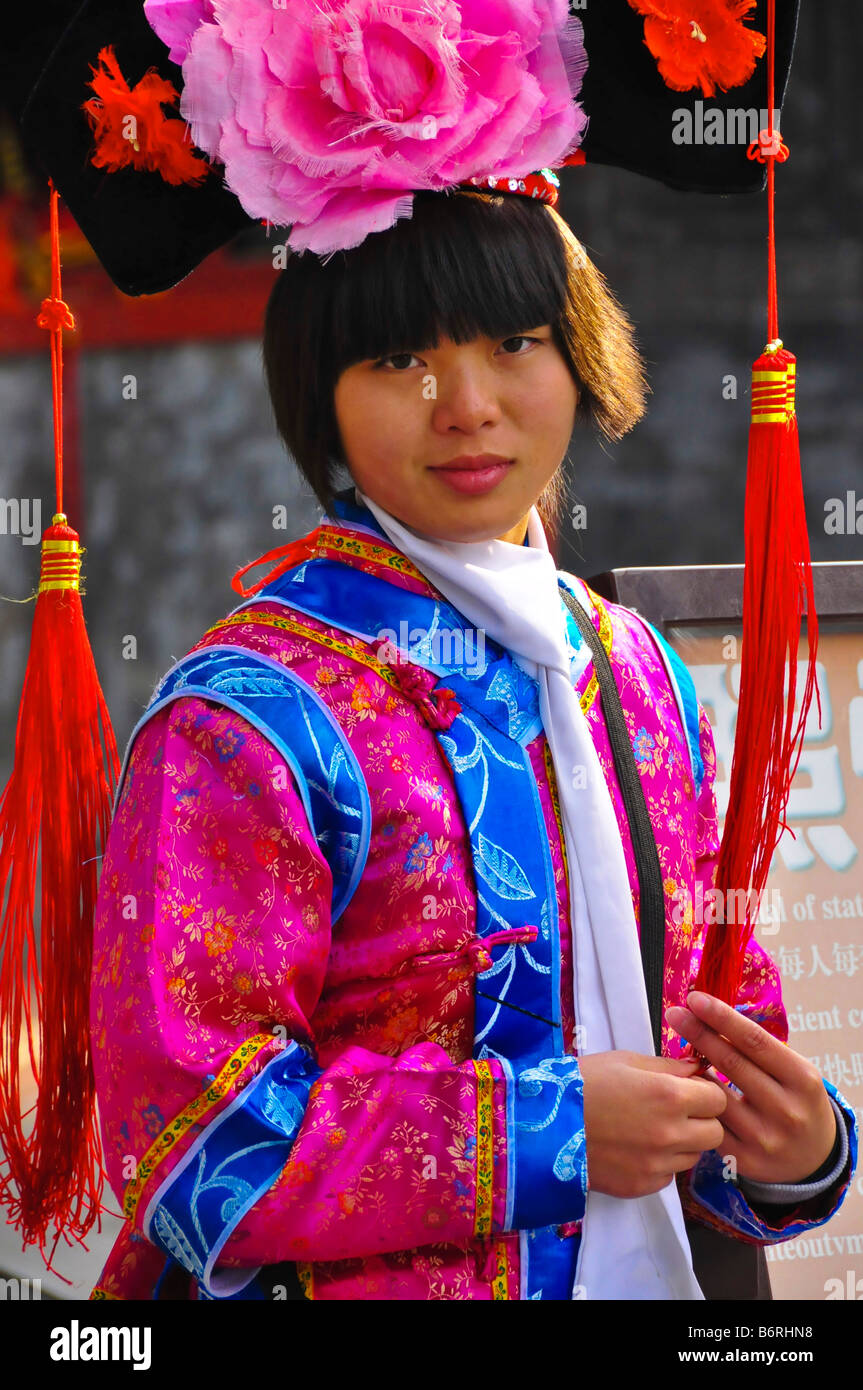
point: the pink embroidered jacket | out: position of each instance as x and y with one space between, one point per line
214 947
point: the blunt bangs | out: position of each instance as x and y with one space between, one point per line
440 272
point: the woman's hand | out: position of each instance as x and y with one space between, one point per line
782 1128
645 1119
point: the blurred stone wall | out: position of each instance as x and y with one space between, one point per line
181 482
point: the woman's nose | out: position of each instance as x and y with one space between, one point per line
464 399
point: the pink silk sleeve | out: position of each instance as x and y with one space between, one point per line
212 942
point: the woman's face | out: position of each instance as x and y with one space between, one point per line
402 417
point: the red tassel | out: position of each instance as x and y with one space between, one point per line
777 589
54 818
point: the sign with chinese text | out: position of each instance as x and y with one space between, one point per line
811 919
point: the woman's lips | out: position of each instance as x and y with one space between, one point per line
474 480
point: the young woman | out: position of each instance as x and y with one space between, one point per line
368 1015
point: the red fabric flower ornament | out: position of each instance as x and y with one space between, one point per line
131 129
437 707
701 43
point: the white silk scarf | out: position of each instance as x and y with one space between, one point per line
631 1248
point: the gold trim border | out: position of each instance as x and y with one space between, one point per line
254 615
379 553
484 1147
238 1062
500 1282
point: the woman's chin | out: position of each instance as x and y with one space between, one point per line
443 514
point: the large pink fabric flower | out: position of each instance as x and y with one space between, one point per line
329 114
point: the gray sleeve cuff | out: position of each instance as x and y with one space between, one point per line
786 1193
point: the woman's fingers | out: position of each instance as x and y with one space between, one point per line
744 1067
705 1134
684 1161
705 1099
741 1120
747 1036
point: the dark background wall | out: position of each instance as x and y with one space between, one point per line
181 483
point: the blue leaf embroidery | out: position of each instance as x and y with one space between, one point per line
503 874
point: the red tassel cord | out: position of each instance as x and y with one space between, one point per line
54 817
284 557
777 591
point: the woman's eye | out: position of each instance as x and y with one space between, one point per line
394 357
519 338
401 360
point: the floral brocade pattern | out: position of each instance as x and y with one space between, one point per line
214 925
